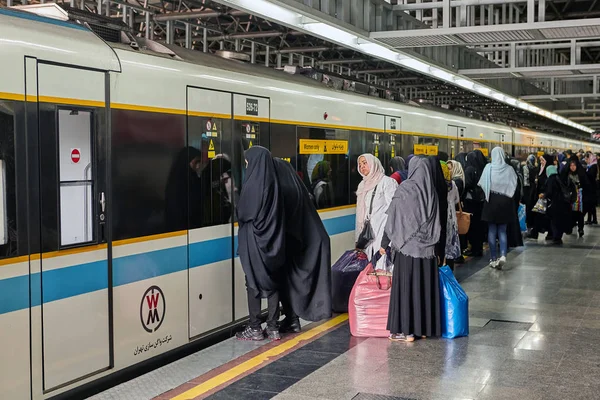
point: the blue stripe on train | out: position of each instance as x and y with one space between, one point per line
72 281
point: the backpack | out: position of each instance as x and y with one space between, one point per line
569 191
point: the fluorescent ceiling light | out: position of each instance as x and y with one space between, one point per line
270 10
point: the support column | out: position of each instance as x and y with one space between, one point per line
204 40
446 13
188 36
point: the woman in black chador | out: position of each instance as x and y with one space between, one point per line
261 241
306 281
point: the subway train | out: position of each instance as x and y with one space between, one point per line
120 168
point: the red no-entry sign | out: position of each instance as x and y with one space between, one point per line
75 156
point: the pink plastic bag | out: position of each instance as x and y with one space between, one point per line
369 303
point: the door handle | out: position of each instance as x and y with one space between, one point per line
102 202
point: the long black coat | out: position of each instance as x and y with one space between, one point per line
559 211
306 279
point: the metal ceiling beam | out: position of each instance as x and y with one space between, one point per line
454 3
502 33
547 71
342 61
171 16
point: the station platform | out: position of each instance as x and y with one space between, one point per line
534 334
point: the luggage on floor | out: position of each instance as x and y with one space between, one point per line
522 218
369 303
343 275
454 307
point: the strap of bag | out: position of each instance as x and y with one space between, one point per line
460 207
372 198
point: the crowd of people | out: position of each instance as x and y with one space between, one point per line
412 218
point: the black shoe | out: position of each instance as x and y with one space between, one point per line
251 334
460 260
290 325
581 233
548 238
557 242
477 254
273 333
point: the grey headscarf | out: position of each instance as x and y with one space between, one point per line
413 224
398 164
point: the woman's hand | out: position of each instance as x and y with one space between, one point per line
541 196
382 251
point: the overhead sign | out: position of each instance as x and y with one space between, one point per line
313 146
75 156
425 149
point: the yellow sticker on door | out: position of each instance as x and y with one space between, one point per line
211 149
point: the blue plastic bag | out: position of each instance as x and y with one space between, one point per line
455 306
522 218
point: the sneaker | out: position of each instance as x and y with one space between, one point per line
400 337
250 334
273 334
290 325
501 262
493 264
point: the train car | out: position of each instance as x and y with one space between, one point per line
120 170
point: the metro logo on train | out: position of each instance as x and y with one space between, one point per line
152 309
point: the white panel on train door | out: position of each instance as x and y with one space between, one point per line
210 242
74 260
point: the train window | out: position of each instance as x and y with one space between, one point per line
212 191
8 212
3 221
76 177
323 155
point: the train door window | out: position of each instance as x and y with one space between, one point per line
76 171
324 153
212 202
9 241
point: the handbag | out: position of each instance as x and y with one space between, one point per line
463 220
366 235
540 207
369 303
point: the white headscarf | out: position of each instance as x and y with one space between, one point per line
376 174
457 170
498 176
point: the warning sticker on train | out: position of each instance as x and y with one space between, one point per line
75 156
152 309
208 125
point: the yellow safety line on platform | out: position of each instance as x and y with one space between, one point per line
259 359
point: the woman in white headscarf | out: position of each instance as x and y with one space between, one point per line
499 184
373 197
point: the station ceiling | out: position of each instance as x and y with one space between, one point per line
544 53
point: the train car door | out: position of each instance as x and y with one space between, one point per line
75 284
251 127
211 208
376 138
392 139
456 136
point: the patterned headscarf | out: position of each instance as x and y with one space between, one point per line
447 175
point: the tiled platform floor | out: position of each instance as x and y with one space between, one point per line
535 334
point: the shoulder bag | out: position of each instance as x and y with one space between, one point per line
463 220
366 235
